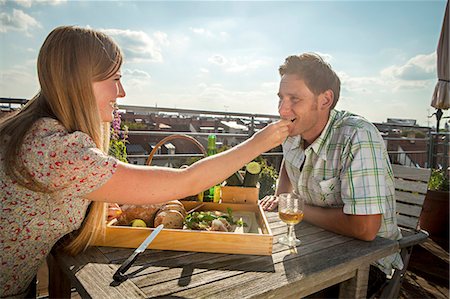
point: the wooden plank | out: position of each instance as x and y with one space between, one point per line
357 286
412 239
59 285
411 186
230 266
407 197
411 173
409 210
406 221
94 276
297 272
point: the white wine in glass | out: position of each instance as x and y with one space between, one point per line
290 211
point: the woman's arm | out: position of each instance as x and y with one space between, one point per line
144 184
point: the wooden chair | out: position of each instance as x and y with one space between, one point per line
411 185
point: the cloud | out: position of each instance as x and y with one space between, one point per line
327 57
138 46
415 74
18 76
29 3
222 35
217 59
360 84
420 67
17 21
239 64
137 73
136 78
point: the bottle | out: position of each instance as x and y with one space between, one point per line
213 194
211 149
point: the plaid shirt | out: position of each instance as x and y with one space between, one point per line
347 166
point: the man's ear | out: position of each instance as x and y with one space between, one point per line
326 99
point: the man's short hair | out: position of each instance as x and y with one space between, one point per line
317 74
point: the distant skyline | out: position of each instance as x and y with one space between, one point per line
224 55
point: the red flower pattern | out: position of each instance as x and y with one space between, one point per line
32 222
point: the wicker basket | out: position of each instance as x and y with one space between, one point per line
172 137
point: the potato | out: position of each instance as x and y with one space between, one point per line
170 218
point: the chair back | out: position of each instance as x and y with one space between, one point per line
411 185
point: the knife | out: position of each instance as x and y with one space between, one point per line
119 275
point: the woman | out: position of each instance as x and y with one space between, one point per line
53 161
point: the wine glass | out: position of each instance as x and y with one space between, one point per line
290 211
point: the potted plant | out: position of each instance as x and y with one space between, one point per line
119 138
435 212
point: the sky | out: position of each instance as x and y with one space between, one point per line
224 55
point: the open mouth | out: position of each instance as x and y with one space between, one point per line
114 105
293 119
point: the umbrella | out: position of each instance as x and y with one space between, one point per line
441 95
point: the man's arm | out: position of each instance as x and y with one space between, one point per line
270 202
284 184
363 227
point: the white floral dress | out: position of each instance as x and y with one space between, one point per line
68 164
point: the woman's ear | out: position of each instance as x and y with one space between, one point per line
326 99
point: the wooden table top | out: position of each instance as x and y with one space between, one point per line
323 259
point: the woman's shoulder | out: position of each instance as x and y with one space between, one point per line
51 129
46 125
50 134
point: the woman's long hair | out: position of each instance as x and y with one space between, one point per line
69 61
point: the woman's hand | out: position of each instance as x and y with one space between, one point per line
273 134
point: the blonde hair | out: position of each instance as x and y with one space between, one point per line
70 59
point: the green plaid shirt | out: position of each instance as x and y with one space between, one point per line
347 166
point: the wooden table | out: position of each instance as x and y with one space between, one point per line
322 260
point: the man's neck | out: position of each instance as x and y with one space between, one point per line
310 138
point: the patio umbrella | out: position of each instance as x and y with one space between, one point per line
441 95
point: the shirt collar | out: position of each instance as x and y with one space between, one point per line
320 145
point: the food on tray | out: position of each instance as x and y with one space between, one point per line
220 224
212 221
170 218
171 214
144 212
138 223
114 211
174 205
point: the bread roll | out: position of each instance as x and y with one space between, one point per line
170 218
176 207
144 212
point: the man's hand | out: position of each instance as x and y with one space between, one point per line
269 202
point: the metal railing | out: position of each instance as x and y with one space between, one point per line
434 153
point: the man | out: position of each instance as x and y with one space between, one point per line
335 160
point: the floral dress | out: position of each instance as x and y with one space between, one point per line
70 166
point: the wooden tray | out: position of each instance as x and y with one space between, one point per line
258 243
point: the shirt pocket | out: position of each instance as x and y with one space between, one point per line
327 192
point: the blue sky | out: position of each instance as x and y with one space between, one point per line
224 56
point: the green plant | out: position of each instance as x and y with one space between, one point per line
119 139
438 180
267 178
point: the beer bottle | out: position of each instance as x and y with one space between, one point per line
213 194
